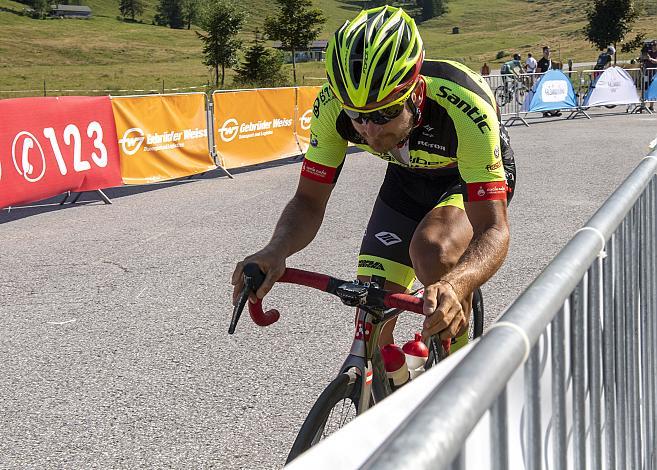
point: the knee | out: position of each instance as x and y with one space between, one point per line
433 257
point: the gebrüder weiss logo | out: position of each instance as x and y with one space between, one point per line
132 140
231 128
304 120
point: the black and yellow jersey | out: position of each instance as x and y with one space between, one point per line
459 133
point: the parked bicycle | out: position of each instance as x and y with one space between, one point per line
514 88
362 381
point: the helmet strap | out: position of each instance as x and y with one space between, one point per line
417 96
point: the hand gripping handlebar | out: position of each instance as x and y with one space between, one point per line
253 278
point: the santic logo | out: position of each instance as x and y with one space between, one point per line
132 140
305 120
28 157
229 130
554 91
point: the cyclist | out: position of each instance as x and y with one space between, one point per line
441 211
508 70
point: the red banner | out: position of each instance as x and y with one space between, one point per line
52 145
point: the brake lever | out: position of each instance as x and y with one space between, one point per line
253 279
239 307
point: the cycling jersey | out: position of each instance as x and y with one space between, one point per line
507 67
459 133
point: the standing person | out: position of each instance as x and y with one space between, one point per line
530 63
543 65
441 211
649 63
530 67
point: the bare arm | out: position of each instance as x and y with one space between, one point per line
302 217
487 250
296 228
444 300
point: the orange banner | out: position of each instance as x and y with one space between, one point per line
254 126
162 137
306 96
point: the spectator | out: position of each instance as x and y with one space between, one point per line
530 67
485 69
604 59
649 63
530 63
545 62
542 66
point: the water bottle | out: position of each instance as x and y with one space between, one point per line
416 354
395 362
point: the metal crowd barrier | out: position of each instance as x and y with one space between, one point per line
581 80
592 311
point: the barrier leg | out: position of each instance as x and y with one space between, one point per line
66 196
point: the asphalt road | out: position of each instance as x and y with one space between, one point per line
114 349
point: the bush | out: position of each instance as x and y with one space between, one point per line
500 54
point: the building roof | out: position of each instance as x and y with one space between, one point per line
319 44
71 8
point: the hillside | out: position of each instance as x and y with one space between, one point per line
105 53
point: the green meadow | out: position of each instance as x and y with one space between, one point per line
104 53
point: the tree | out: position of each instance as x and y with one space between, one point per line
222 21
169 13
296 26
190 9
41 8
261 66
433 8
609 22
131 8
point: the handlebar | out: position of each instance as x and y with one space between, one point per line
350 292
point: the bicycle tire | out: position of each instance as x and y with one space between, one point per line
476 329
500 96
520 93
312 429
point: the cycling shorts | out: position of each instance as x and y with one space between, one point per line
405 197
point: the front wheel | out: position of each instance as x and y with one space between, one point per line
521 93
335 407
501 95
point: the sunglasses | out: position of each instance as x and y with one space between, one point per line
382 115
379 117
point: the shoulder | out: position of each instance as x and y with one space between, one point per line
438 72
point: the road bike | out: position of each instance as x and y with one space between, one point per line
513 89
362 381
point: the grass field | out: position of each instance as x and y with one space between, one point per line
108 54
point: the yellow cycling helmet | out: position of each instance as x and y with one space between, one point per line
375 55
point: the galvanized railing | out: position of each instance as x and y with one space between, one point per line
592 405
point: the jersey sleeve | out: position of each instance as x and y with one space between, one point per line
479 155
325 155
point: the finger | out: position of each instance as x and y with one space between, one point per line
237 274
267 284
430 300
444 315
452 330
237 291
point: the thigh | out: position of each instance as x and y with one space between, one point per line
384 251
439 241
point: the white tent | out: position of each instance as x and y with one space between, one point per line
613 86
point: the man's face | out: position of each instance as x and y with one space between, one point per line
385 137
546 53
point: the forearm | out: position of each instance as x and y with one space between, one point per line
481 260
297 226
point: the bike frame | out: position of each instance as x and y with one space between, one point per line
364 359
